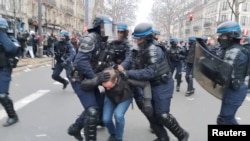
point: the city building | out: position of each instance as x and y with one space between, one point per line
206 15
56 14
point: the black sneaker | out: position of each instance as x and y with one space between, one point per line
189 93
177 89
65 84
10 121
75 132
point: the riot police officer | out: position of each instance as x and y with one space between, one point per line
236 55
8 51
120 48
88 63
64 54
176 56
150 64
189 64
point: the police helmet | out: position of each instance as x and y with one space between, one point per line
64 33
105 21
231 29
192 39
174 40
122 26
157 32
204 38
142 30
3 24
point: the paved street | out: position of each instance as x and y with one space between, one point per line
46 111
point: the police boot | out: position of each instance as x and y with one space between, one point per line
178 87
171 123
65 84
9 108
160 132
75 131
91 122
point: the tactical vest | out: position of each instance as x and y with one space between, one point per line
191 54
175 54
148 56
61 51
118 50
232 56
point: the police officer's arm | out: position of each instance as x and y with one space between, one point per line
148 72
82 59
72 52
126 64
8 45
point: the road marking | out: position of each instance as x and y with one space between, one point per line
25 101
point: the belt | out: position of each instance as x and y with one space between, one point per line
162 79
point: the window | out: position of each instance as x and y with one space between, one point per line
224 6
243 20
245 7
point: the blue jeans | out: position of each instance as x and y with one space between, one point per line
119 111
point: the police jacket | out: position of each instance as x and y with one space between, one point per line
64 51
237 56
190 54
176 54
120 92
147 64
87 57
119 50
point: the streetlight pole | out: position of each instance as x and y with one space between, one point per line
40 47
86 14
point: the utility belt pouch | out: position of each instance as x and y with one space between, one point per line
12 62
76 76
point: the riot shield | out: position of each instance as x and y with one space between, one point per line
210 71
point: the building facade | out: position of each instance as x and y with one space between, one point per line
207 15
56 15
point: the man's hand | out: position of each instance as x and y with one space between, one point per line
120 68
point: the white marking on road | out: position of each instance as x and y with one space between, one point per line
25 101
27 70
190 98
41 135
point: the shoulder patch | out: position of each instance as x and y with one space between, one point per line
87 44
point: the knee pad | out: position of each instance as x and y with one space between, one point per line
178 77
4 98
92 115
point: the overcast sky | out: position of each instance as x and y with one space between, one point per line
144 8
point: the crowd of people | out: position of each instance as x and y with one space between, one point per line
147 72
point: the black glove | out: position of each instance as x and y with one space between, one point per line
103 77
89 84
147 108
124 74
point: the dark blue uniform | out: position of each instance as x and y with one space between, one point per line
8 50
233 53
150 63
176 56
64 54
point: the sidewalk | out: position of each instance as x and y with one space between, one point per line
32 63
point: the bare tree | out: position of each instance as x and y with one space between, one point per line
119 10
164 13
234 6
15 8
